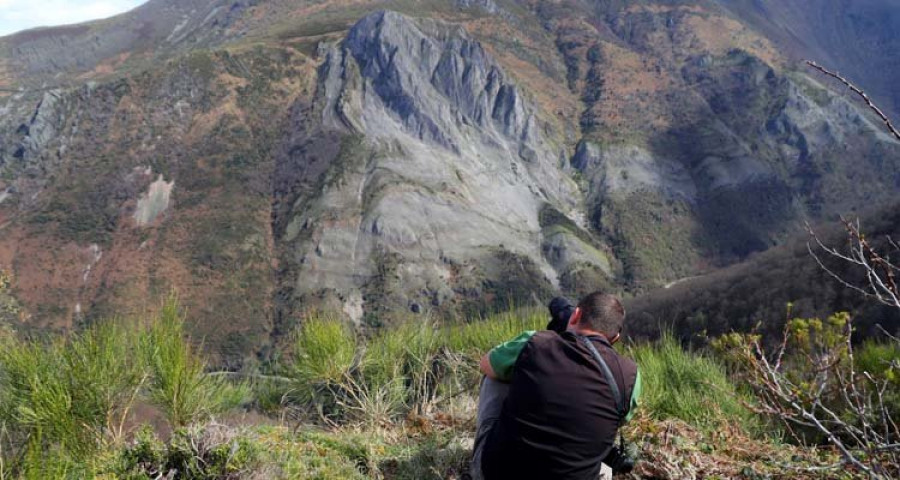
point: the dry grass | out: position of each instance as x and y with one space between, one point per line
673 449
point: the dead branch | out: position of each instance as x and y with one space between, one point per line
863 95
845 406
879 272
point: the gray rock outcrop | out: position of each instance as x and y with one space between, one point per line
445 167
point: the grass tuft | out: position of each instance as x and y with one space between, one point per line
688 386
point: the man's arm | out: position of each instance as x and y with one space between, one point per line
486 367
635 397
498 363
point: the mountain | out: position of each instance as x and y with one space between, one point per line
856 38
269 158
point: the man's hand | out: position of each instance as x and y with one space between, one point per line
486 367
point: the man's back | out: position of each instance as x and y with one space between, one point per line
560 415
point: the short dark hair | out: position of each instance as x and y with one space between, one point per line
602 312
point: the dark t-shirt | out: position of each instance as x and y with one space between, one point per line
560 416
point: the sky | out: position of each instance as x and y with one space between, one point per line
18 15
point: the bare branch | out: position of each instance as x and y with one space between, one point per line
888 334
835 275
881 275
893 243
863 95
845 406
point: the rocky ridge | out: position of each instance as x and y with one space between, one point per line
442 166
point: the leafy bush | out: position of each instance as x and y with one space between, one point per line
813 382
324 350
68 399
323 357
882 360
408 368
400 362
397 405
477 337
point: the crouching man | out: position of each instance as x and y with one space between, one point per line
551 403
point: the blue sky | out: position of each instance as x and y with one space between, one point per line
18 15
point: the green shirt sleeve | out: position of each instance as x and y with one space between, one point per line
635 397
503 357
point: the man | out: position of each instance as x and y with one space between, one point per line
546 409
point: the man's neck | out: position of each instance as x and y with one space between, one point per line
588 332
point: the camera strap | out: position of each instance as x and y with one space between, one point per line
617 394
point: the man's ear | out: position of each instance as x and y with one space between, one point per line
615 338
575 318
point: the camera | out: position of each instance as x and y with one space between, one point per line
561 309
622 457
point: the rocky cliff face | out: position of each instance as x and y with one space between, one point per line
265 159
435 189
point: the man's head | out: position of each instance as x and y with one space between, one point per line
599 312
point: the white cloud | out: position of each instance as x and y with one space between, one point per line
18 15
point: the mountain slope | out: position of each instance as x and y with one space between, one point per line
858 38
760 293
268 158
419 169
688 114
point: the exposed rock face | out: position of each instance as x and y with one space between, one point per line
627 169
154 202
786 153
727 166
441 165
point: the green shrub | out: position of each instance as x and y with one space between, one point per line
882 361
687 386
178 382
63 401
324 355
107 376
324 350
408 368
400 361
211 452
70 396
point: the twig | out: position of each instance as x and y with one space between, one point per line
885 332
254 376
856 90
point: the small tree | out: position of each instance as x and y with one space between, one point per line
178 382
